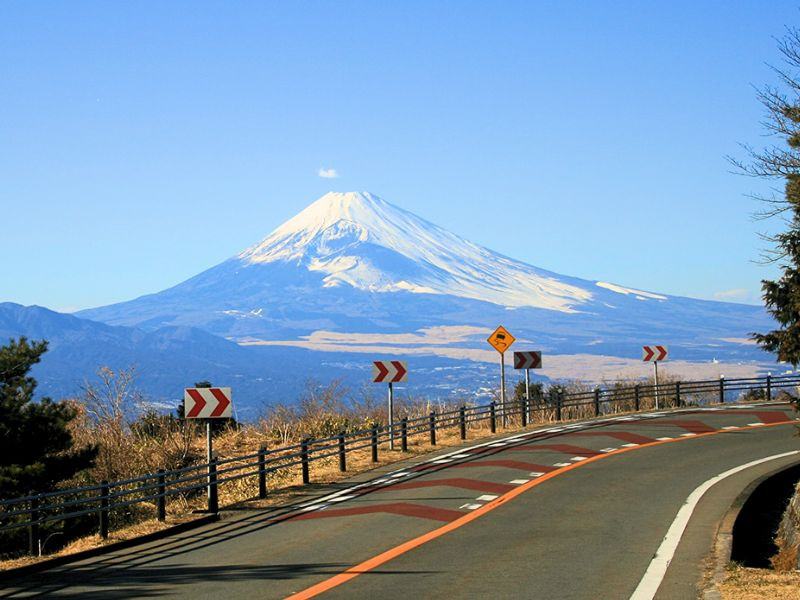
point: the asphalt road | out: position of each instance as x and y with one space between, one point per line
575 512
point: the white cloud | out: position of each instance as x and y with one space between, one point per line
734 295
328 173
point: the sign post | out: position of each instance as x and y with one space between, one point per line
390 371
528 360
208 403
501 340
654 354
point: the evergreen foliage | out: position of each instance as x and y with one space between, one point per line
36 447
782 297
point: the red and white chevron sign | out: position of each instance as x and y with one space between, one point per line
389 371
207 403
528 360
652 353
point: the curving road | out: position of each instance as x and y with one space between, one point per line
575 511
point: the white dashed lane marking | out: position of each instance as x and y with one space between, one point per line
519 481
486 498
562 464
688 434
470 506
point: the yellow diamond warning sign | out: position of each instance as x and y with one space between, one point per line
501 339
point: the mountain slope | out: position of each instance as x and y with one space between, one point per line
171 358
352 262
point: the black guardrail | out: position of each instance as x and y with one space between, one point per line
37 510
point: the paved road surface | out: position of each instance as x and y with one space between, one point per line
563 512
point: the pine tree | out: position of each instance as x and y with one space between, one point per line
782 297
35 444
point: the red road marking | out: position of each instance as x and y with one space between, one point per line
565 448
510 464
631 438
688 425
384 557
467 484
406 509
766 416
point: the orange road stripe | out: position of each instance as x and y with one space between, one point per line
393 553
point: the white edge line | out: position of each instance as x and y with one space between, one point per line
534 433
648 586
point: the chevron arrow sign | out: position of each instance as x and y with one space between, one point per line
654 353
207 403
528 360
389 371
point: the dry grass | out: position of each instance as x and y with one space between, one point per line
743 583
151 442
283 486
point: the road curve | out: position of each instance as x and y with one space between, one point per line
567 511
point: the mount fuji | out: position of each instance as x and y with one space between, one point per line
354 273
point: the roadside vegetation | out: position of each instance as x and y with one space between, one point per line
117 435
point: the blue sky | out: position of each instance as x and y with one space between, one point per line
142 143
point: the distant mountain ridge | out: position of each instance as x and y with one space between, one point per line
171 358
353 279
354 263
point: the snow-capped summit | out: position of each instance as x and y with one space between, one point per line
360 240
352 262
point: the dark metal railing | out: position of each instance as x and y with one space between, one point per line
101 500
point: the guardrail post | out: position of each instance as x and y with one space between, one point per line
33 528
304 458
404 434
678 401
162 495
559 400
462 421
722 389
636 397
104 509
262 471
769 387
433 427
492 416
524 411
374 442
597 402
342 453
213 496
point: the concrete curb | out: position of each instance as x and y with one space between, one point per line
723 541
92 552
